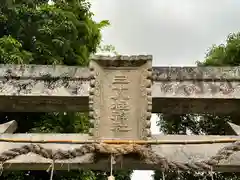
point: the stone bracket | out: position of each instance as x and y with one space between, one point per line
8 127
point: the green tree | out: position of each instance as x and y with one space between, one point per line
227 54
108 49
37 32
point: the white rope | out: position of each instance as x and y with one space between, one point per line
211 173
1 169
163 175
112 161
68 167
178 172
52 170
111 172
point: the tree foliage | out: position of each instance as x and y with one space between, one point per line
227 54
41 33
60 32
107 49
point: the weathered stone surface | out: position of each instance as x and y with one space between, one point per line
196 73
215 97
198 89
43 72
32 87
8 127
120 97
44 103
37 88
235 128
38 80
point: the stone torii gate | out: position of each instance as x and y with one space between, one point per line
120 94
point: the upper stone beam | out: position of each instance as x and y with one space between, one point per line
34 88
196 89
209 73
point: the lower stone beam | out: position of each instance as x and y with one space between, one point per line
185 154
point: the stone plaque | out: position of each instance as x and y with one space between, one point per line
120 102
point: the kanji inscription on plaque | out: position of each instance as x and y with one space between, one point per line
120 97
120 104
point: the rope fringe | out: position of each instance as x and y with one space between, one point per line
112 161
211 173
163 175
52 171
1 169
51 167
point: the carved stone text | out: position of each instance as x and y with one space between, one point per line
120 105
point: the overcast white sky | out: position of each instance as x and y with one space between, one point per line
175 32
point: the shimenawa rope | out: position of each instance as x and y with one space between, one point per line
143 152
